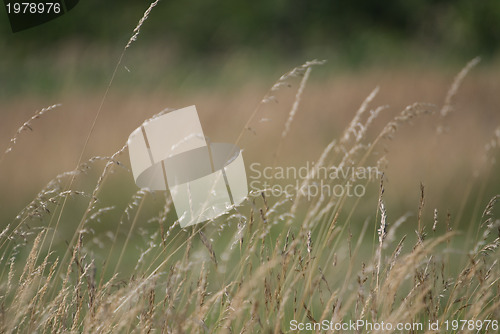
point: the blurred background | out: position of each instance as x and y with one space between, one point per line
224 57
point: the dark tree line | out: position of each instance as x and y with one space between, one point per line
205 27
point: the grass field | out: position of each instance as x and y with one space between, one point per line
83 250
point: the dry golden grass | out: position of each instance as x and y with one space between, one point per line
271 261
89 253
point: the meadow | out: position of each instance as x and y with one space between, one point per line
84 251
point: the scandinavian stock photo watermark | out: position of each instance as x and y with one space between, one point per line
311 180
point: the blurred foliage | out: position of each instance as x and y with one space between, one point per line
197 28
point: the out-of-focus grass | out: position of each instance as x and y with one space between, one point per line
227 95
121 263
92 253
